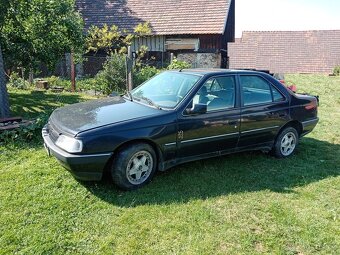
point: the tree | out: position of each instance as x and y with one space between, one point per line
34 32
112 40
4 104
40 31
106 39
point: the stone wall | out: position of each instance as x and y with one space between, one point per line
201 60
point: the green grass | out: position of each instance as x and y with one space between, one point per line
247 203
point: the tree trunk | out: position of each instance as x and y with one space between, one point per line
4 103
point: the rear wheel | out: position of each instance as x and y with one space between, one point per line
134 166
286 143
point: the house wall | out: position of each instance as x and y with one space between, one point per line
201 60
287 51
207 43
229 33
154 43
201 51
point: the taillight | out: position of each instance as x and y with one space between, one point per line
312 105
292 88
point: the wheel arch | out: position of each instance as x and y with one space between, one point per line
293 123
156 148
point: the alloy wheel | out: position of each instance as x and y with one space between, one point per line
139 167
288 144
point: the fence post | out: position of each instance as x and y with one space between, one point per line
73 74
129 64
171 57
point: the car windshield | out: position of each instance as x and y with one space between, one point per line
165 90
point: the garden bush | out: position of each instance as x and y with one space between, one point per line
144 74
178 64
55 81
15 81
86 84
336 71
147 72
113 76
25 133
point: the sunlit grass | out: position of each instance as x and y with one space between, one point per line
247 203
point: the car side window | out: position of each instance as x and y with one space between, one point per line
256 90
277 96
218 93
215 86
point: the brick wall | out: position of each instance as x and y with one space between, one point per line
287 51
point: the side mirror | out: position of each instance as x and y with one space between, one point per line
197 109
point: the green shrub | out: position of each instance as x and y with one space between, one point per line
25 133
113 76
336 71
177 64
144 74
86 84
15 81
55 81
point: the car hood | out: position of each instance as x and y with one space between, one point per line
80 117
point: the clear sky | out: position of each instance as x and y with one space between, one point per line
267 15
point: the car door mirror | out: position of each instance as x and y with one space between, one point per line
197 109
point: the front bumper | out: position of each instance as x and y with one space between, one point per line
83 167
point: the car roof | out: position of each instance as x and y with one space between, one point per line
215 71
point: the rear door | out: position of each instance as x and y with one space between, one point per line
218 128
264 109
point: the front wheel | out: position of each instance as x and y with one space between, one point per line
286 143
134 166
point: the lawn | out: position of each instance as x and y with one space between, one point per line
247 203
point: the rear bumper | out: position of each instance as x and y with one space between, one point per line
309 125
82 167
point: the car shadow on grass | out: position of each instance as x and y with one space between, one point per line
237 173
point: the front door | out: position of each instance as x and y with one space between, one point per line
217 129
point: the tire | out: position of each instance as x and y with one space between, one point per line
134 166
286 143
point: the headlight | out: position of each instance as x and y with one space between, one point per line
69 144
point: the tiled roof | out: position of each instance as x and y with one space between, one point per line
166 17
316 51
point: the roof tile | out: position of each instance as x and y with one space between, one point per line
166 17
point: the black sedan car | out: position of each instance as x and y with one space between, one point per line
177 117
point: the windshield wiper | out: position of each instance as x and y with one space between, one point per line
150 102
